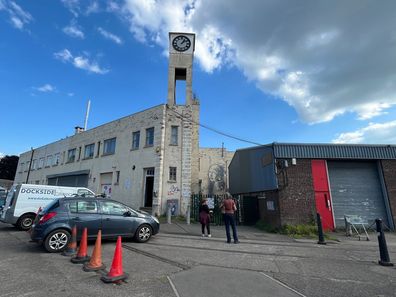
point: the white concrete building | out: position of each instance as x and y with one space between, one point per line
142 160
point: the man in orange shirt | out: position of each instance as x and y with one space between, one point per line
229 209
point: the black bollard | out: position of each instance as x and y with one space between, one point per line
320 229
384 255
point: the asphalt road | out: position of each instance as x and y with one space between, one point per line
182 264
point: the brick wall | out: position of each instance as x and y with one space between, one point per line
389 172
296 194
268 215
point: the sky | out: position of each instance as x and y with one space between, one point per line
264 70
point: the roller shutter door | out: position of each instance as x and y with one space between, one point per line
356 190
69 180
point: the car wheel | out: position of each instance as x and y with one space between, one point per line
25 222
143 233
57 241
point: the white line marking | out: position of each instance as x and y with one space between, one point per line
173 286
283 285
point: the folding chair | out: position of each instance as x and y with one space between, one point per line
353 221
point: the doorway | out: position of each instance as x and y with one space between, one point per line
149 186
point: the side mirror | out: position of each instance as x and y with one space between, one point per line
127 214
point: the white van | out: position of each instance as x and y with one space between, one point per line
24 200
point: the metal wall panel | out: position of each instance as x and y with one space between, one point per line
252 170
356 190
334 151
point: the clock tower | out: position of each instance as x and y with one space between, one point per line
181 52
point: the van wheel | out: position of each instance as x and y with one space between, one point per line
143 233
25 222
57 241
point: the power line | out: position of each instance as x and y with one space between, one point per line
213 129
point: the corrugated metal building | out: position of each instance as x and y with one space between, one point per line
288 183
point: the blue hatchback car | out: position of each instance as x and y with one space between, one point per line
52 226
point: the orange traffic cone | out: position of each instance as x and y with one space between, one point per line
116 273
71 249
96 259
82 251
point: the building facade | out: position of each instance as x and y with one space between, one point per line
290 183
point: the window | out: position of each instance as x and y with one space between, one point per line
41 163
71 155
27 165
135 140
113 208
172 173
109 146
49 161
56 159
83 207
84 193
150 136
174 135
34 164
22 167
89 151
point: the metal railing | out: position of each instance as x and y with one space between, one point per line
214 202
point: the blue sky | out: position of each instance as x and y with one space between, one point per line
285 71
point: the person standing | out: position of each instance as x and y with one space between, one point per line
229 220
204 217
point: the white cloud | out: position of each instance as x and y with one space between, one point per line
73 6
2 155
46 88
113 6
384 133
320 58
110 36
92 8
18 17
73 30
81 62
64 55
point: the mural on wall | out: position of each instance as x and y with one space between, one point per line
216 178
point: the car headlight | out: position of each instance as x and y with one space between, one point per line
156 220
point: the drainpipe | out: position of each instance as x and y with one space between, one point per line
30 165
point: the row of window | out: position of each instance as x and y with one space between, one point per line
109 146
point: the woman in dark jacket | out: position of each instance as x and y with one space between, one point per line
204 217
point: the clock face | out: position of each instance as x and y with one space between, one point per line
181 43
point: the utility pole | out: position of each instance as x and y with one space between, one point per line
30 165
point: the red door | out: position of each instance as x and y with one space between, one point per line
322 193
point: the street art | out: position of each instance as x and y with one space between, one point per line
216 176
173 189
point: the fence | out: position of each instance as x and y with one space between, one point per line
214 202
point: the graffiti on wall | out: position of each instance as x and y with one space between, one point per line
173 189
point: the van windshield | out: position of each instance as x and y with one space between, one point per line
53 204
11 196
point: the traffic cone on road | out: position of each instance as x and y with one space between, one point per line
82 251
71 249
96 259
116 274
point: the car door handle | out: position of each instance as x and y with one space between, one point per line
76 218
107 219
